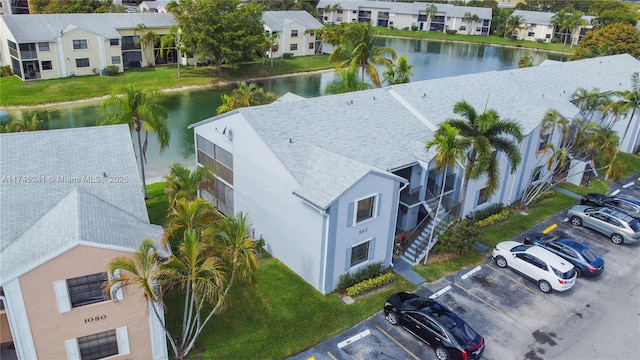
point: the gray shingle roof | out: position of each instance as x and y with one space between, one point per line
534 17
46 27
58 161
277 20
327 175
79 218
413 8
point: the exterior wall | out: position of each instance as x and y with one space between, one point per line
93 52
302 41
379 231
536 32
5 331
262 188
402 21
50 328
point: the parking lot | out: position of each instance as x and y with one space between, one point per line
596 319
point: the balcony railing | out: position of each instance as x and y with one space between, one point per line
28 54
410 196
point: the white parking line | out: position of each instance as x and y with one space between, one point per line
354 338
614 193
628 184
471 272
440 292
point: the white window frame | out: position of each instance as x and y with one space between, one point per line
374 207
80 42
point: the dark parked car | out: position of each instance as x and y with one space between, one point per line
439 327
586 262
621 203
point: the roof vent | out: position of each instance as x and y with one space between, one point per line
290 141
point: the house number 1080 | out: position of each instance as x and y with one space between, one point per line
362 231
95 318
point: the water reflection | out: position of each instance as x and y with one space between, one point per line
431 59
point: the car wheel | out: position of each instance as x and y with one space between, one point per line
501 262
616 239
441 353
576 221
578 271
392 318
544 286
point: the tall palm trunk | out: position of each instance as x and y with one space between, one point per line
435 218
624 135
141 158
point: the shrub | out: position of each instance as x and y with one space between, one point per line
488 211
545 195
391 27
5 71
367 272
459 236
287 55
370 284
494 219
111 70
451 32
414 28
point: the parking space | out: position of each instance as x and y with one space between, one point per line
597 319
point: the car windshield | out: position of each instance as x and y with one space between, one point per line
589 255
635 225
520 248
462 332
567 275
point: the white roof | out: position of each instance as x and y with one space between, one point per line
278 20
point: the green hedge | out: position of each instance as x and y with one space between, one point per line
494 219
370 284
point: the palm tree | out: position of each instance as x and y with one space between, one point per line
470 19
450 148
272 39
525 61
431 10
28 121
347 82
236 248
143 271
399 73
575 21
627 103
147 39
140 110
553 120
172 40
358 49
183 183
245 95
488 134
590 101
200 276
513 23
199 216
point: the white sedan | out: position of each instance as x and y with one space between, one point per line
547 269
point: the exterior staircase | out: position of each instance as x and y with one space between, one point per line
419 245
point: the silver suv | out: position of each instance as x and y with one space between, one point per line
616 225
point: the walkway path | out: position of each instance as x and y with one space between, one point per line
404 269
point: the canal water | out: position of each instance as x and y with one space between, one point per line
431 59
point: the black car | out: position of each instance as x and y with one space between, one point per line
621 203
433 323
585 261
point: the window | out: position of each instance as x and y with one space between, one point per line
365 209
294 33
85 290
98 346
80 44
531 34
43 46
544 139
359 253
293 47
483 196
82 62
463 28
114 42
46 65
536 174
115 60
311 45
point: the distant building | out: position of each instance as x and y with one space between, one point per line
62 220
538 26
51 46
296 33
402 15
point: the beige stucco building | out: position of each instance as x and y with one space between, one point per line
50 46
62 220
296 33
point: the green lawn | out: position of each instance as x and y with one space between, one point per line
157 204
16 92
489 40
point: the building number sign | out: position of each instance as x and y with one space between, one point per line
94 318
362 231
